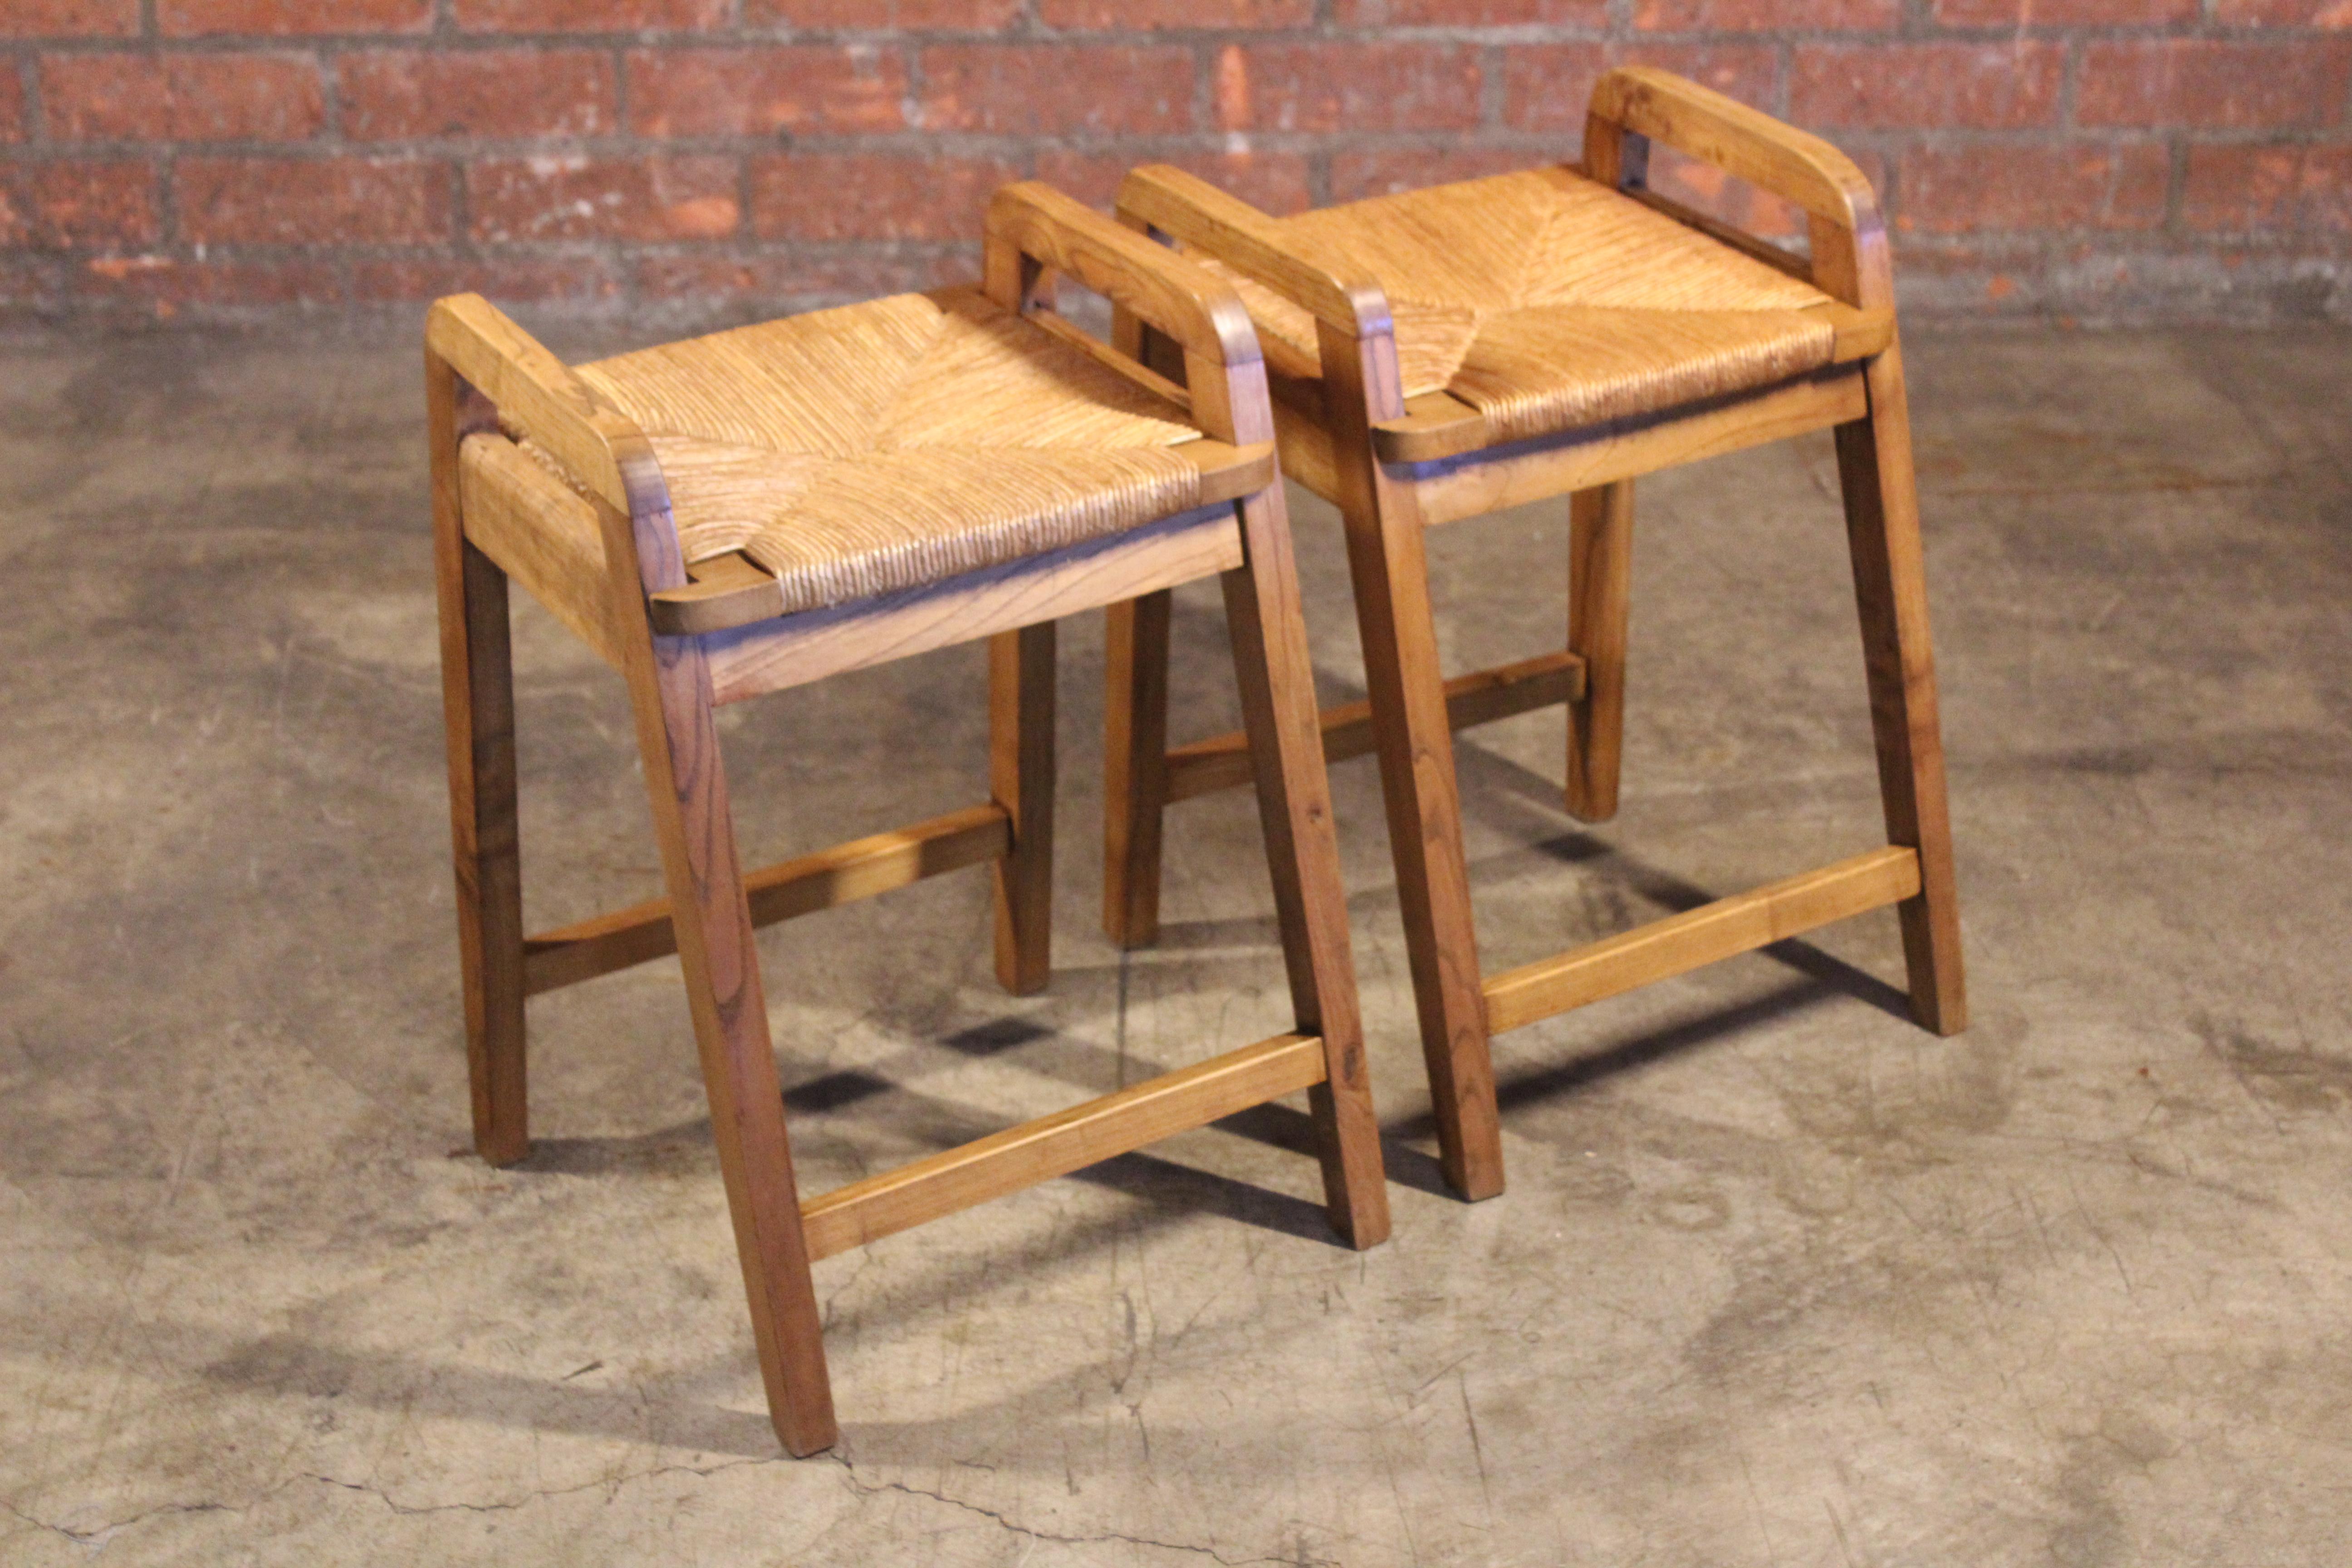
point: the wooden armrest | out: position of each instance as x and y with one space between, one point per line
536 394
1033 225
1189 209
1789 162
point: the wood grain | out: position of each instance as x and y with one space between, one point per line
1599 584
825 879
1482 697
536 393
543 534
1021 778
1702 936
485 834
1136 765
1055 1145
1891 591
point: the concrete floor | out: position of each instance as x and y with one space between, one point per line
1779 1278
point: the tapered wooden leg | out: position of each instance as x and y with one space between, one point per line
1599 574
1416 741
477 697
1021 777
1294 793
1135 767
1882 510
687 783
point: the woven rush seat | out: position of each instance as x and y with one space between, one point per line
894 444
1548 301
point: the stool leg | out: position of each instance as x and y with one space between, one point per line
1294 794
1021 777
1416 741
1882 511
686 781
1599 571
1135 767
477 697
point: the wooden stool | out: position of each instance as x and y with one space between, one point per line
760 508
1561 330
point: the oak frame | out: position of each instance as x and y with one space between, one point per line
610 565
1394 466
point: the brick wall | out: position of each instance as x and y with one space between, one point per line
2093 157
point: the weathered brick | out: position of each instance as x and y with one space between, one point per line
814 88
2205 83
805 278
1763 16
312 201
2007 86
68 18
1347 87
572 277
163 284
828 197
1358 175
887 16
1142 16
1271 182
1474 13
1703 186
2063 13
182 98
12 106
1057 89
1960 189
394 94
79 203
587 16
2284 13
603 198
2281 191
1547 86
187 18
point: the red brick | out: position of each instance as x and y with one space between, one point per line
720 92
859 275
1960 189
1347 87
2275 189
389 94
182 98
1763 16
1474 13
2063 13
587 16
605 198
1053 90
78 202
185 18
1142 16
500 277
826 197
68 18
330 201
12 106
1271 182
1358 175
890 16
2284 13
163 284
2204 82
1547 87
2006 86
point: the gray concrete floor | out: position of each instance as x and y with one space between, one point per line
1778 1280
